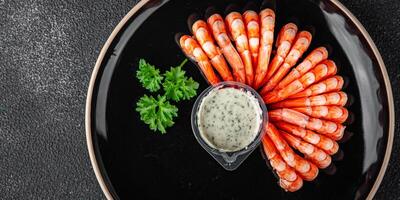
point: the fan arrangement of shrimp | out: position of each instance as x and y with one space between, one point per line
302 92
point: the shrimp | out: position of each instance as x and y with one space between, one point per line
325 143
217 25
288 179
283 170
317 55
328 128
267 18
332 113
284 42
328 99
332 84
314 154
253 33
238 32
307 170
203 37
291 186
323 70
194 51
301 44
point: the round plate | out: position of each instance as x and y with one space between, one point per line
131 161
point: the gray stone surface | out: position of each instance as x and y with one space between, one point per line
47 52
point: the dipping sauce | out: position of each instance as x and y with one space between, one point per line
229 119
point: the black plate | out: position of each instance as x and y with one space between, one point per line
131 161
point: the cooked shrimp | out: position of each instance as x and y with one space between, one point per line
332 113
328 99
307 170
203 37
332 84
237 30
194 51
323 70
267 18
283 170
291 186
217 25
317 55
288 179
253 33
328 128
314 154
327 144
284 42
301 44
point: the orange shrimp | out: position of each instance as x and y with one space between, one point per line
328 128
328 99
267 18
332 113
323 70
238 32
217 25
291 186
206 41
325 143
332 84
284 42
288 179
253 33
317 55
308 171
314 154
194 51
301 44
283 170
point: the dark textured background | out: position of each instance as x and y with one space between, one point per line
47 53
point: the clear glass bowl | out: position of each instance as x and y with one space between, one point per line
229 160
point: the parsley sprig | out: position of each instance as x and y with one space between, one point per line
158 113
149 76
177 86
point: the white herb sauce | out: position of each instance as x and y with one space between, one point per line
229 119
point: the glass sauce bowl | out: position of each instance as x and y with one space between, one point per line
227 159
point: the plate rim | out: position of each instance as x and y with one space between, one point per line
141 3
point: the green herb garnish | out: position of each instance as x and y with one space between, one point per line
149 76
177 86
157 113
